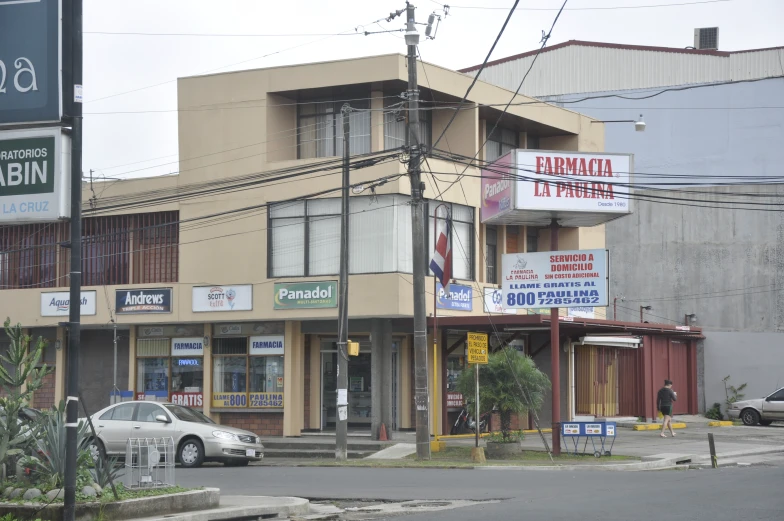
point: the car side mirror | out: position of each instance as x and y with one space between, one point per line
161 418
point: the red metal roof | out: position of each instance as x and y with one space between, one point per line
617 46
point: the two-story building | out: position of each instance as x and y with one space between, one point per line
220 279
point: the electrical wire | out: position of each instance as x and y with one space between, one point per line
476 78
293 35
604 8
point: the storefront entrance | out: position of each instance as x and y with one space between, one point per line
359 387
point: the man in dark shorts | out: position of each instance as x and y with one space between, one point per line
664 400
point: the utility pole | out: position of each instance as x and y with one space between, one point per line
114 374
418 238
555 360
74 324
341 423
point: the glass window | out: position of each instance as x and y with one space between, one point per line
230 374
266 374
152 375
305 239
187 415
462 238
320 129
148 411
491 254
532 238
187 375
395 130
122 412
500 141
778 396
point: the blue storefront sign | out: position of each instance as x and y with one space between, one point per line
459 297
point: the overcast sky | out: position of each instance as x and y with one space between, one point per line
127 76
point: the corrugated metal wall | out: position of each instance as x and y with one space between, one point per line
580 69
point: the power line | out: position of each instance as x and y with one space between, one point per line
605 8
476 78
231 35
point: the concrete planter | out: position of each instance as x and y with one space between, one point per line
496 450
192 501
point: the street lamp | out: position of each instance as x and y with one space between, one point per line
639 124
689 318
647 308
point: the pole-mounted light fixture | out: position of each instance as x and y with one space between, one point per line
639 124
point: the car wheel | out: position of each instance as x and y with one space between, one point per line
96 448
191 453
766 422
750 417
237 463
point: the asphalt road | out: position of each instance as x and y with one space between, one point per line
726 494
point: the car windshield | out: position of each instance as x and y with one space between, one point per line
187 415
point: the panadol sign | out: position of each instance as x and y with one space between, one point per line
34 176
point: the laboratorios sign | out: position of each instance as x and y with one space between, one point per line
301 295
556 279
34 175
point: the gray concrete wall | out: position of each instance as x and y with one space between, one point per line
756 359
96 359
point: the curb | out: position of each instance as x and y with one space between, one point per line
643 465
720 424
267 507
653 426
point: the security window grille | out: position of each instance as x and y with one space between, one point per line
320 129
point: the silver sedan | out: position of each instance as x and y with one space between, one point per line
196 437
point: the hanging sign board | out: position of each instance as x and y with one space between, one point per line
556 279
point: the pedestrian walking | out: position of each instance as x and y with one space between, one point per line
664 403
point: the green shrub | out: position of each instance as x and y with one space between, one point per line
714 413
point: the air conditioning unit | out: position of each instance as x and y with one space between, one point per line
706 38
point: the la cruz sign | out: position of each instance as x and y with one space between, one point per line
573 182
30 85
34 175
459 297
559 279
57 304
301 295
223 298
129 301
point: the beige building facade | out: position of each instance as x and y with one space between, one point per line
221 278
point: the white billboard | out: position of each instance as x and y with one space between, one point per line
555 279
494 302
223 298
34 175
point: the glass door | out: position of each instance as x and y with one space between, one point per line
329 385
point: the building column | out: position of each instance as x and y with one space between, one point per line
131 360
386 375
376 370
315 383
206 392
293 379
59 367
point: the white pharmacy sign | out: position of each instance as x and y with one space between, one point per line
555 279
187 347
34 176
267 345
57 304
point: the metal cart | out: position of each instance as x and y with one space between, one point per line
572 433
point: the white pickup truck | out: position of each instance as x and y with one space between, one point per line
763 411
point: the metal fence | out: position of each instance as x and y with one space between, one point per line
149 462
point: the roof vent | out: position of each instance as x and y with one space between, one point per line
706 38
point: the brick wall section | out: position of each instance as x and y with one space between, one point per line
43 398
262 424
515 423
307 382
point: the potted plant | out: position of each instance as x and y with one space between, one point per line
511 383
